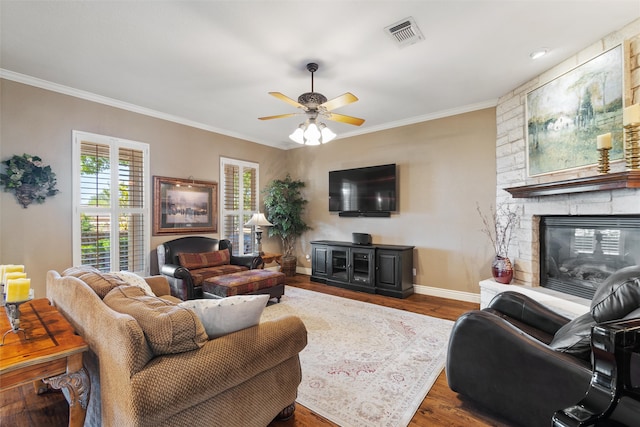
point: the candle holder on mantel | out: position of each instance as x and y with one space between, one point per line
13 313
632 145
603 160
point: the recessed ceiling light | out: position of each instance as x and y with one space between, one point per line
539 53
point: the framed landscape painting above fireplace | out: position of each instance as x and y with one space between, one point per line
565 115
184 206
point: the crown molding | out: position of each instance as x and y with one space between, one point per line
89 96
425 118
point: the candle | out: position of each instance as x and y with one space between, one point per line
631 115
604 141
14 275
14 268
18 290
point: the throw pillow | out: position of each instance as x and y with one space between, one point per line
225 315
167 327
204 259
134 280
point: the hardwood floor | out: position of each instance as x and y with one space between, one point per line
22 407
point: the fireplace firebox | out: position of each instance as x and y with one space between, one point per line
578 253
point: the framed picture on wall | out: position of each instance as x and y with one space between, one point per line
566 115
182 206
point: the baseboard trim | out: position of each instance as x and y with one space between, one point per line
423 290
446 293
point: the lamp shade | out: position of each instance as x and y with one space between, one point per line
258 219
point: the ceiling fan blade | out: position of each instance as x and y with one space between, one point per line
288 100
340 101
345 119
279 116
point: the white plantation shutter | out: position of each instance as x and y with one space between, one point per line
111 212
239 201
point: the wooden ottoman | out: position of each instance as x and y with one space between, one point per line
249 282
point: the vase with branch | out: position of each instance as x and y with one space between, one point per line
499 226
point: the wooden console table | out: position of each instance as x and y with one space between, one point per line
52 352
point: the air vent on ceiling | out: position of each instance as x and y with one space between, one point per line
405 32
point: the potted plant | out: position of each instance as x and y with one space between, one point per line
499 228
284 205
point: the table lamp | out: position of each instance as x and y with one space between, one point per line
258 220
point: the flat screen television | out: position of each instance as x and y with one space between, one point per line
361 191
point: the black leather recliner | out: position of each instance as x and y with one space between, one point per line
523 361
180 278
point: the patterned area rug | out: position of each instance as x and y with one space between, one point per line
364 365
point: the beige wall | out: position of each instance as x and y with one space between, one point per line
445 167
40 122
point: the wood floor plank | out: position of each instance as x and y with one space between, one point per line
22 407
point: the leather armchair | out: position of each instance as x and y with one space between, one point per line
183 284
523 361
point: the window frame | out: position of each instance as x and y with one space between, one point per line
114 210
241 211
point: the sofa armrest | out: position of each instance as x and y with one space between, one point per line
250 261
177 271
221 364
528 311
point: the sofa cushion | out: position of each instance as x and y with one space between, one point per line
226 315
204 259
575 337
168 327
617 296
101 283
134 280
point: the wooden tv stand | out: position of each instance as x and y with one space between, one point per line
376 269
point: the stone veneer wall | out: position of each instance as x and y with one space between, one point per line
511 158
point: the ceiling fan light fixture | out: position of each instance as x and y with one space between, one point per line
327 134
312 134
315 105
298 134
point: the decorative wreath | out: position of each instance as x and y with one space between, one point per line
29 179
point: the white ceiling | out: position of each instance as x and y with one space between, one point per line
210 64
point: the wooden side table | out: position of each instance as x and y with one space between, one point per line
52 352
268 258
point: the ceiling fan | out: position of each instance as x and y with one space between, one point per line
315 104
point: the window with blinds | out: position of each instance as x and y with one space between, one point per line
239 201
111 213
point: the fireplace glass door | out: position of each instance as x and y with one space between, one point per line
578 253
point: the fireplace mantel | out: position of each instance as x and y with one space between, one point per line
609 181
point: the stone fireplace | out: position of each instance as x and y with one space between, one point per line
573 193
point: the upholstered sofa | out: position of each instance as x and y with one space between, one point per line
173 374
188 261
523 361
